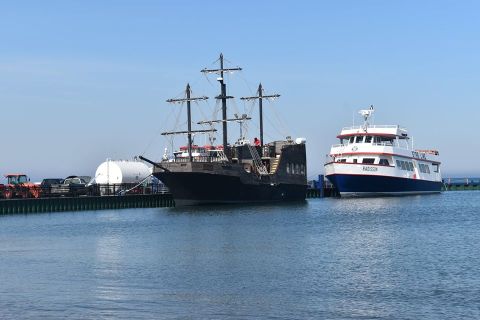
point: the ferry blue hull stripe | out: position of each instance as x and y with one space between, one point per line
381 184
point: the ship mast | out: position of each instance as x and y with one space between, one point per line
223 95
260 98
188 99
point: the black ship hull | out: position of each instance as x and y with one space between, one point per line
195 188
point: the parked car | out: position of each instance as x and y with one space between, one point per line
46 185
72 186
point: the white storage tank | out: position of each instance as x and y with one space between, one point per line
121 171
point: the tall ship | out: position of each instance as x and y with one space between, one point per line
242 172
379 160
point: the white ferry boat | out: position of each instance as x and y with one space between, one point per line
379 160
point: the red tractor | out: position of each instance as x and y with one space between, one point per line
19 186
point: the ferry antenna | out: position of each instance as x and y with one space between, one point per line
260 98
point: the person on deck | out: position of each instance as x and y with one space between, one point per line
256 142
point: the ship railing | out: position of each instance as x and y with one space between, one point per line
257 161
219 158
376 126
430 152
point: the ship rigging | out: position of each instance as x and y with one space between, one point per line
238 173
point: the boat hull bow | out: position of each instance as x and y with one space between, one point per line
374 185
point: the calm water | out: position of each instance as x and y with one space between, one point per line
389 258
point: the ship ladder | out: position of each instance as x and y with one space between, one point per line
274 165
261 169
221 156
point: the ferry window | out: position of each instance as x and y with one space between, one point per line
297 168
368 160
427 168
386 141
343 160
355 160
368 139
422 167
352 139
404 165
410 166
359 139
288 168
435 168
384 162
399 165
302 169
376 140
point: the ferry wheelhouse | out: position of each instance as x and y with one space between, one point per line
379 160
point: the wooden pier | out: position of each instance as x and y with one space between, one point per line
85 203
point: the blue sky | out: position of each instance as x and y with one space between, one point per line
82 81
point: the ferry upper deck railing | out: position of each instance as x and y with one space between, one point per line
381 144
376 126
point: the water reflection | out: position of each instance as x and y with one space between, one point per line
107 266
222 209
377 205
